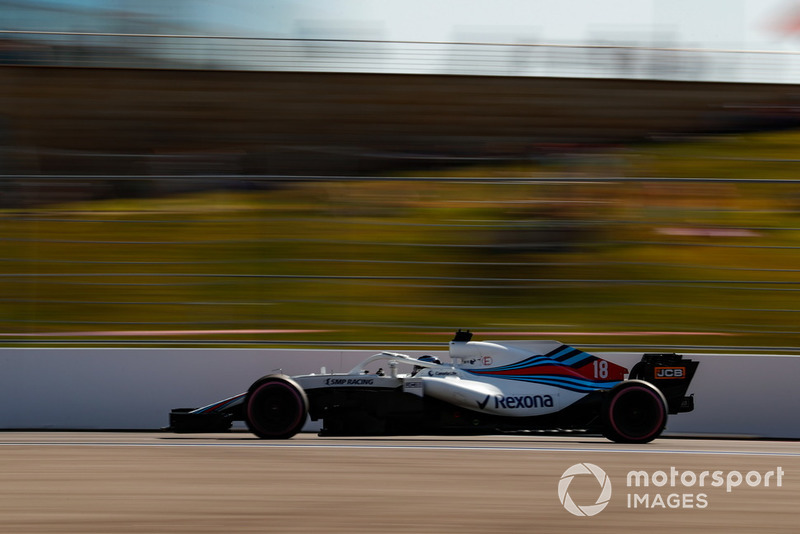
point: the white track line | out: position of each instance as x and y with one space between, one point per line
347 446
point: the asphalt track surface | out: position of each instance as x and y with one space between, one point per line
159 482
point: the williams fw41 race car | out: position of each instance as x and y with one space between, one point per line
490 387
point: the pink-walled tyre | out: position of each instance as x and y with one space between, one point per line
275 407
634 411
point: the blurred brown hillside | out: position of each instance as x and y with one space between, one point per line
132 121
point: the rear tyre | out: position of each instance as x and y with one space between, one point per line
275 407
634 411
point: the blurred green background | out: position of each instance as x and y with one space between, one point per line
683 243
163 182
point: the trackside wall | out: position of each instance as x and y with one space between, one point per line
41 388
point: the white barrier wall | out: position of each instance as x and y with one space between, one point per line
747 395
738 395
136 388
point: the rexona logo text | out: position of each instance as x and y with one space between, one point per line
513 402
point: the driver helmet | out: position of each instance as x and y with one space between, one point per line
426 358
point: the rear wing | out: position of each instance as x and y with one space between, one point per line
671 374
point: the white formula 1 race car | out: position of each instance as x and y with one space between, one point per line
490 387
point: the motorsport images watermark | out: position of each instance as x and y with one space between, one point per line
662 489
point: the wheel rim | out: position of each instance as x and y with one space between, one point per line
275 408
637 413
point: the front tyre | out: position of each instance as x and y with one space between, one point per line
634 411
275 407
